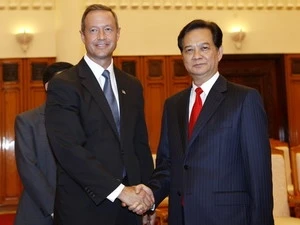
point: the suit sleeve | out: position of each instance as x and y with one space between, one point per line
160 180
141 143
257 155
34 181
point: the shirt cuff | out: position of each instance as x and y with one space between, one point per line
112 196
152 207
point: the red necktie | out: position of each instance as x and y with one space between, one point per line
195 110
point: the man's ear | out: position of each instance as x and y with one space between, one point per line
220 53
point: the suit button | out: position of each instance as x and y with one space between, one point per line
186 167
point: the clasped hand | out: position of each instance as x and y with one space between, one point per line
139 198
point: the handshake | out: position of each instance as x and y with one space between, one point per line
138 199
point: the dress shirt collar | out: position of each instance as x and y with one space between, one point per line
206 89
206 86
98 70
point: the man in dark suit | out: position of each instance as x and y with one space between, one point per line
217 171
100 139
35 162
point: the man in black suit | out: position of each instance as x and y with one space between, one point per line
35 161
100 141
218 170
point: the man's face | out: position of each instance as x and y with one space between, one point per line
200 55
100 36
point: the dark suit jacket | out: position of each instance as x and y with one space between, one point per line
36 167
223 173
91 155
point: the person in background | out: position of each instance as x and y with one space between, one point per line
100 137
214 157
35 161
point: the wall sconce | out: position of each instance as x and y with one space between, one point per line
238 37
24 39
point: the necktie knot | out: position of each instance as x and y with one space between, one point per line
106 74
198 91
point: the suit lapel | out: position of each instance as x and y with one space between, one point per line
91 84
212 102
183 109
120 79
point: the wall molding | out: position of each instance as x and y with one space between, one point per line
162 4
202 4
26 4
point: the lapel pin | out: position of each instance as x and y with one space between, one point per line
124 92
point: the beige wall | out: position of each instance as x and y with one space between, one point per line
149 30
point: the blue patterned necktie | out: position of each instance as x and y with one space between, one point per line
111 99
